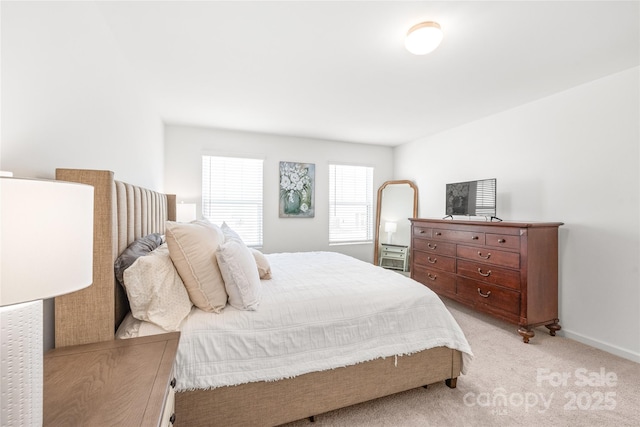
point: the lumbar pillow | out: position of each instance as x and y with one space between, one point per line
241 279
156 293
192 248
264 268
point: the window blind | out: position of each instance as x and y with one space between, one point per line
232 193
350 204
486 197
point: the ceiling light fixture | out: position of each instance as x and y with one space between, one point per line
423 38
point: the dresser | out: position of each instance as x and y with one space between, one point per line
121 382
506 269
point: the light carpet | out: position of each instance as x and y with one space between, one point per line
552 381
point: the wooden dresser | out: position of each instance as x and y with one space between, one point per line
121 382
506 269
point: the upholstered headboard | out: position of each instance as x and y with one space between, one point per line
122 213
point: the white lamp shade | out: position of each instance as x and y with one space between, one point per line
186 212
390 227
423 38
46 236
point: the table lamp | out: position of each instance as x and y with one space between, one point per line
46 250
186 212
390 228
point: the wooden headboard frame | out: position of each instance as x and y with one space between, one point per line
122 213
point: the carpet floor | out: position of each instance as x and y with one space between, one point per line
552 381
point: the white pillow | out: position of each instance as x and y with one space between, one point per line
156 293
192 248
264 268
241 279
229 233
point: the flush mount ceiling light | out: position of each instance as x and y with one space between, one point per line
423 38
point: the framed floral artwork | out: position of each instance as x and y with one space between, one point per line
297 184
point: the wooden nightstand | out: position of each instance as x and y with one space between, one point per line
122 382
394 257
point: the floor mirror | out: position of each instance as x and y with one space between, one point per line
397 202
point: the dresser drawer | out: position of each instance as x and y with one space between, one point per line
508 241
436 280
489 256
395 248
489 273
169 411
394 254
422 232
459 236
484 294
432 246
435 261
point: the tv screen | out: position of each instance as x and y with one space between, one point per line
472 198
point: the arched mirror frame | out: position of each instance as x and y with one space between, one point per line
376 247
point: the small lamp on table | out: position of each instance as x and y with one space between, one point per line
390 228
46 250
186 212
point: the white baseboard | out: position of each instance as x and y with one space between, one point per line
609 348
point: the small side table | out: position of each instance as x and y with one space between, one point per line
394 257
120 382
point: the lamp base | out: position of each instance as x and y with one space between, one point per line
21 368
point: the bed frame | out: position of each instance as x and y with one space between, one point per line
124 212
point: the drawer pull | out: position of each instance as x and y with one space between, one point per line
484 257
173 383
432 247
484 295
501 241
438 233
487 274
474 238
432 260
421 231
432 276
172 420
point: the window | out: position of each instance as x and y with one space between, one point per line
232 193
350 204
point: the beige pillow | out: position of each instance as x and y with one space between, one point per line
193 248
264 268
241 278
156 293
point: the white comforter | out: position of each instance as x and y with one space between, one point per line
320 311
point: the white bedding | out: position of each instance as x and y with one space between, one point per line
321 310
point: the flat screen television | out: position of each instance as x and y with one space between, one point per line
472 198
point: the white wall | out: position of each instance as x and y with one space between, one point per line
69 100
184 147
571 157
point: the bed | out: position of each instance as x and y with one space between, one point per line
124 213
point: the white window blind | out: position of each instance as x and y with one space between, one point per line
232 193
486 197
350 204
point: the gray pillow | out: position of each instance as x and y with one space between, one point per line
135 250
